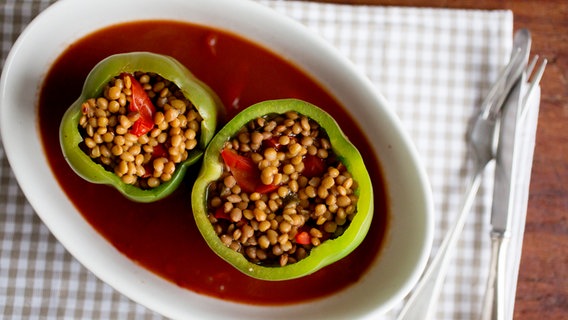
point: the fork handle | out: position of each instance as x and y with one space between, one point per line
494 304
423 300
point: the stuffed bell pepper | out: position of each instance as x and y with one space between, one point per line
141 120
282 192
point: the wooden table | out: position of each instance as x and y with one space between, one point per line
542 291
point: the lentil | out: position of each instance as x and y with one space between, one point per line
265 225
106 122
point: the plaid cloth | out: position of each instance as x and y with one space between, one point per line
434 67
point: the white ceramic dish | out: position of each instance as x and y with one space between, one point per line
411 227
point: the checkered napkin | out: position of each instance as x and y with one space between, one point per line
433 66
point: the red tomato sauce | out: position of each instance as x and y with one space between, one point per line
162 236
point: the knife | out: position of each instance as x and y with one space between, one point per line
503 192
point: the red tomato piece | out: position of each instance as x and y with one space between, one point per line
245 172
271 143
313 166
266 188
303 238
142 104
159 151
221 214
243 169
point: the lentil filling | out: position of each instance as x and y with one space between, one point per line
140 144
283 191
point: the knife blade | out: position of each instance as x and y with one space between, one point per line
503 191
501 213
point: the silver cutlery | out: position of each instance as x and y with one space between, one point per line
482 138
506 173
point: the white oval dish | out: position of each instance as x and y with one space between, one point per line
411 211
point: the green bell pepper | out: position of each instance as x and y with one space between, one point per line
206 102
330 250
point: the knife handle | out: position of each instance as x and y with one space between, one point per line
494 303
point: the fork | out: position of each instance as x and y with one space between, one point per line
494 305
482 138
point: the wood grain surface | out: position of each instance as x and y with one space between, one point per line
542 291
